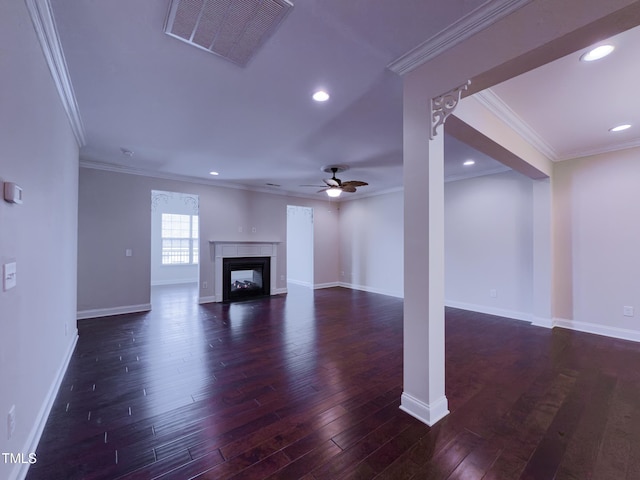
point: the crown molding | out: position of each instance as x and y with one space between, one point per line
477 20
45 27
109 167
492 102
599 151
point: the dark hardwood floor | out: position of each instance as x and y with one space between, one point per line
307 386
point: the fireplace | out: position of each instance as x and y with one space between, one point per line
245 278
248 252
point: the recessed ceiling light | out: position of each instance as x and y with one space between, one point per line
320 96
620 128
469 162
214 173
597 53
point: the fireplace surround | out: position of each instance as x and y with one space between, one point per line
248 252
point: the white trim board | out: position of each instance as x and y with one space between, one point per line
492 102
319 286
429 414
183 281
20 470
595 329
45 27
107 312
365 288
472 23
209 299
499 312
585 327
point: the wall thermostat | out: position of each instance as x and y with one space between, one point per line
12 192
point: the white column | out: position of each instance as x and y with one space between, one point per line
423 396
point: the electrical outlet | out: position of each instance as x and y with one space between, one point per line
11 422
239 229
493 293
627 311
204 285
253 229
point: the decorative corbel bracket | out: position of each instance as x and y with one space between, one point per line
443 105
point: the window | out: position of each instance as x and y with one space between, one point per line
179 239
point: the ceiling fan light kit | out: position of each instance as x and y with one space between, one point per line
334 186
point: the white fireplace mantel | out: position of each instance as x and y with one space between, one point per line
233 249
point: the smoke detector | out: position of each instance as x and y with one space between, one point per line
232 29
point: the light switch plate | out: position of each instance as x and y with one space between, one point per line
9 275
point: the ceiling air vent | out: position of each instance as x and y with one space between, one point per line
233 29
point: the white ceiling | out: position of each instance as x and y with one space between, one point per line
569 106
185 112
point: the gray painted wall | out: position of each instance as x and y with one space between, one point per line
114 215
371 244
37 151
597 234
489 244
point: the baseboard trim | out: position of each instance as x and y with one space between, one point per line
595 329
210 299
184 281
20 470
319 286
107 312
364 288
499 312
300 282
278 291
542 322
426 413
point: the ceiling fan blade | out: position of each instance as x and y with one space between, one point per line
332 182
323 190
319 186
354 183
348 188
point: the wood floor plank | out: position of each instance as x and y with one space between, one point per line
307 385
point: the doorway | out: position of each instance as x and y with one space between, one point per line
300 246
175 255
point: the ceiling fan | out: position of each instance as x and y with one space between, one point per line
334 186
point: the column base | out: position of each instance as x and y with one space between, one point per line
429 414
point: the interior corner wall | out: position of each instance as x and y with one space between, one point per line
489 244
596 236
38 151
371 244
115 215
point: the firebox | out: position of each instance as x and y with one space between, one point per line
245 278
